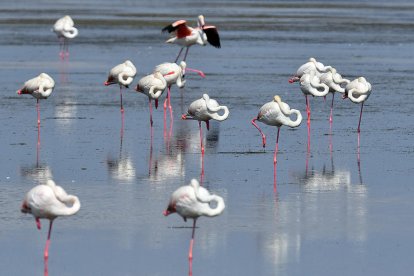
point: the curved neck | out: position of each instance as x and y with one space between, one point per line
361 97
74 204
315 86
212 212
123 81
218 117
298 120
71 33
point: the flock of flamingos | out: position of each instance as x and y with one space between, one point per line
48 201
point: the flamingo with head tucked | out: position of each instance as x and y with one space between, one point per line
276 113
122 74
39 87
48 201
192 201
358 91
65 30
335 82
186 36
311 65
205 109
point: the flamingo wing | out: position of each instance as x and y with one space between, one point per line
177 26
212 36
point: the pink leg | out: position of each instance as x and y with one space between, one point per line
275 159
46 268
200 73
202 170
190 253
67 47
201 138
48 240
150 109
61 48
330 116
169 103
179 53
261 132
38 112
308 109
38 223
360 116
120 94
165 116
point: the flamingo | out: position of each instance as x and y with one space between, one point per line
65 30
176 77
186 36
48 201
192 201
205 109
334 81
123 74
276 113
311 65
39 87
358 91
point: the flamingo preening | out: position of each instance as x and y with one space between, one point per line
186 36
48 201
65 30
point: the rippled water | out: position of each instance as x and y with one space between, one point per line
328 216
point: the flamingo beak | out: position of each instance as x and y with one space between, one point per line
19 92
184 117
293 79
166 213
106 83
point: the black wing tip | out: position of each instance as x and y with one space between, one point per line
213 37
168 28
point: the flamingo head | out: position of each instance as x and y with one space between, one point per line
170 209
25 208
294 79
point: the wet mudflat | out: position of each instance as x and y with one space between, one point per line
329 213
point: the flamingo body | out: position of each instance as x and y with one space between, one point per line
358 90
310 84
65 27
178 72
311 65
39 87
205 109
334 81
152 85
122 74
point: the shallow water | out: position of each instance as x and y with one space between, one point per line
329 215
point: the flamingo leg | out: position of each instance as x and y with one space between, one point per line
165 115
261 132
67 47
169 103
308 111
38 112
199 72
201 137
275 159
179 54
61 47
330 116
120 94
38 225
360 116
48 239
190 253
150 109
186 52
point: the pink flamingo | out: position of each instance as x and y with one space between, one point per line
205 109
187 36
48 202
65 30
192 201
122 74
276 113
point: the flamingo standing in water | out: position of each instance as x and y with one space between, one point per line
122 74
205 109
186 36
335 83
174 74
65 30
192 201
39 87
276 113
358 91
48 201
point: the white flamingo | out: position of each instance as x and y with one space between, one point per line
186 36
48 201
311 65
65 30
335 82
122 74
39 87
192 201
358 91
205 109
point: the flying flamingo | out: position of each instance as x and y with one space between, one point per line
123 74
335 83
39 87
205 109
192 201
358 91
48 201
187 36
65 30
276 113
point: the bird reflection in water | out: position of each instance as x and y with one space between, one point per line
38 172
